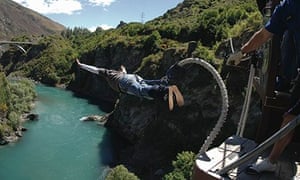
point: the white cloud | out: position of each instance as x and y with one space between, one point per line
103 26
52 6
103 3
60 6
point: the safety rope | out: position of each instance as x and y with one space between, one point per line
244 114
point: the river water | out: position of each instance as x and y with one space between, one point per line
58 146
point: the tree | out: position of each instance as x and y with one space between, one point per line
183 166
120 172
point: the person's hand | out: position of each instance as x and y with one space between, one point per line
123 69
235 58
77 61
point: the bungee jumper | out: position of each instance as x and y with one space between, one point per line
133 84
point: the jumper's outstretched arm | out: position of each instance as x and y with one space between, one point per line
89 68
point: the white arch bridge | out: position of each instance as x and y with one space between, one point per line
17 44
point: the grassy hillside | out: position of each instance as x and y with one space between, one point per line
207 23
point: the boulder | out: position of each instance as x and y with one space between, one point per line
32 117
3 142
18 133
101 119
23 129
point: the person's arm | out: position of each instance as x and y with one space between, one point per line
257 40
89 68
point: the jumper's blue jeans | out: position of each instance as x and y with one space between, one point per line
136 85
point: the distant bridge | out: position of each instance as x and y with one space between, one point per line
17 44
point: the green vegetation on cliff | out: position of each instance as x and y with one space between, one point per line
120 172
16 98
205 22
53 62
183 166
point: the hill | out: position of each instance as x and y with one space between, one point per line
16 20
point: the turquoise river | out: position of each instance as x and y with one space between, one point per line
58 146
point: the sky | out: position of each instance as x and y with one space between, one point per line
99 13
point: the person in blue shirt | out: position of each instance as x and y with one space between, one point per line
133 84
288 55
286 17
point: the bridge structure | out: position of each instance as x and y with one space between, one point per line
17 44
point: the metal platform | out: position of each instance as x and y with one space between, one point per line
234 147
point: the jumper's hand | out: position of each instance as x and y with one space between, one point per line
235 58
77 61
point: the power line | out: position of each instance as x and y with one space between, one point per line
142 17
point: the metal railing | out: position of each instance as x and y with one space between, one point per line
263 146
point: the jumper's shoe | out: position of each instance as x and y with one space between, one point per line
170 98
174 92
178 96
262 166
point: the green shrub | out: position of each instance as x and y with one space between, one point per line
132 29
183 166
14 120
4 95
204 53
3 108
120 172
153 41
175 176
22 94
4 130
